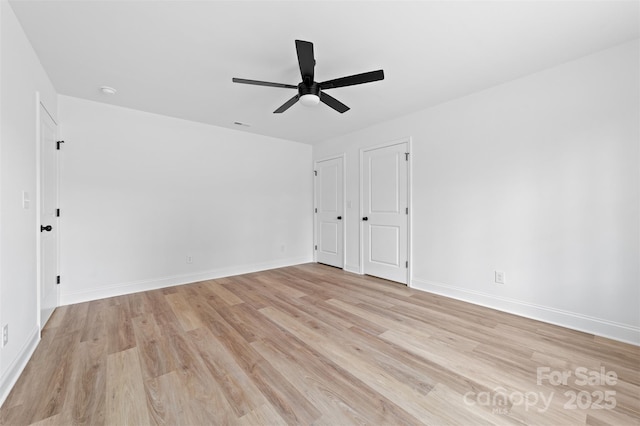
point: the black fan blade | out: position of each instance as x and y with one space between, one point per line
333 103
263 83
366 77
287 105
306 60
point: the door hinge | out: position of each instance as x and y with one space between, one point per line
315 173
406 156
58 144
316 247
406 210
406 264
316 210
57 212
58 279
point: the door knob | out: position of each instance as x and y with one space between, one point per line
46 228
365 218
339 217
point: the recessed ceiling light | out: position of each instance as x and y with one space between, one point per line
108 90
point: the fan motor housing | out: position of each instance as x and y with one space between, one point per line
313 89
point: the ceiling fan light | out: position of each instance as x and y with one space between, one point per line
309 100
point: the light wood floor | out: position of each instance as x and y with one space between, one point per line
313 345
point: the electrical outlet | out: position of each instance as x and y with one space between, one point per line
5 335
189 259
499 277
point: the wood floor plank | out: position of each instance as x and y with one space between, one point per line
330 377
74 320
364 368
165 405
95 326
185 314
311 344
335 408
86 403
371 313
277 284
241 393
55 383
206 401
217 289
209 307
288 402
120 328
126 399
156 358
263 415
49 421
489 375
243 287
139 305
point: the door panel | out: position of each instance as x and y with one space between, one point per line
329 228
385 245
328 176
385 206
48 217
329 238
384 179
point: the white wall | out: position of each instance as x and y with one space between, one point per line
21 76
537 177
140 192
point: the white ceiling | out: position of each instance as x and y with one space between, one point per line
177 58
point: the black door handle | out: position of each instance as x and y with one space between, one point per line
339 217
365 218
46 228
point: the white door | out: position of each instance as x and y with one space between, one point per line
48 217
385 212
329 214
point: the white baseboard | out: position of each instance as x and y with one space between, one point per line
11 375
352 268
572 320
102 292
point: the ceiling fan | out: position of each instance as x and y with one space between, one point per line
310 92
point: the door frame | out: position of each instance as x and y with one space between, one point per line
344 220
40 106
408 140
